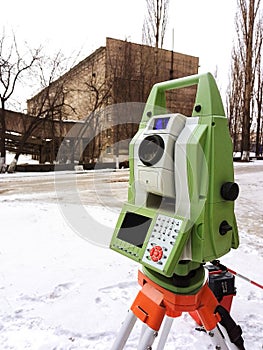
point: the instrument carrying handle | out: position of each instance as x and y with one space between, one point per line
208 100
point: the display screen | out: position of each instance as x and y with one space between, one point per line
134 229
160 123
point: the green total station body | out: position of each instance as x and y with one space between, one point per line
180 209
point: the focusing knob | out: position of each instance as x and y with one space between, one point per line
230 191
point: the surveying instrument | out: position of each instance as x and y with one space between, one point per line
179 215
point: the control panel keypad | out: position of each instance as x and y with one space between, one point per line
162 240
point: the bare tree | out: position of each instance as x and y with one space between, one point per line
234 99
46 106
245 60
248 13
99 94
155 23
14 64
258 94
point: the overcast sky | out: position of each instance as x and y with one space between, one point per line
203 28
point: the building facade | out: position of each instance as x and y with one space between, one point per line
107 91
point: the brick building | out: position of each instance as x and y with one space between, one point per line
108 89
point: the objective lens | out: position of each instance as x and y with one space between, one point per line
151 150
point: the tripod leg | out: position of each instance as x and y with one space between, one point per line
147 339
165 332
125 331
144 326
218 339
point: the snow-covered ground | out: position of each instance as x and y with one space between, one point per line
58 291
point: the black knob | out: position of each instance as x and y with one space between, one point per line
198 108
224 227
149 114
230 191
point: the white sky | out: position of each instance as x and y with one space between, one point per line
203 28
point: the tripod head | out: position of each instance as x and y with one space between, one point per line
180 209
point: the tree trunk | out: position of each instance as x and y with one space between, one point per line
259 88
259 100
12 166
248 81
2 140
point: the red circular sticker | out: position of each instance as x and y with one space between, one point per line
156 253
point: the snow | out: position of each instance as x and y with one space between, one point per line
23 159
59 291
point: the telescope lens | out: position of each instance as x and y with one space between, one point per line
151 149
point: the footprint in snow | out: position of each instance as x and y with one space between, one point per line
123 291
60 290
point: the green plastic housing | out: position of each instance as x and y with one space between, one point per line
137 253
209 163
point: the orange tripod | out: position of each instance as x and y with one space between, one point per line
153 303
